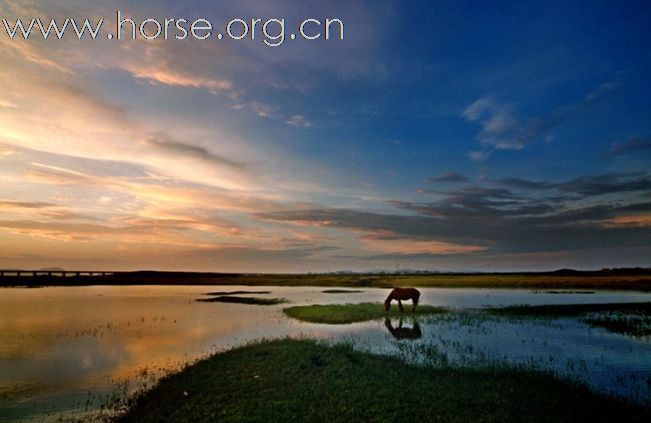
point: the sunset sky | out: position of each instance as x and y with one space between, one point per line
443 135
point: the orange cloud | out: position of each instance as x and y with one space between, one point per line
640 220
416 246
170 77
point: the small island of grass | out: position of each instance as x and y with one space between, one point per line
341 291
222 293
291 380
338 314
243 300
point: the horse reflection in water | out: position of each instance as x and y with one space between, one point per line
402 294
403 332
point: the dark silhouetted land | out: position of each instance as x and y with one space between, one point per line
619 279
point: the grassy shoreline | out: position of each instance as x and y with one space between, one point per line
290 380
537 281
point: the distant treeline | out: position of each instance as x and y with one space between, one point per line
614 271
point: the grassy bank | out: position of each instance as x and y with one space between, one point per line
626 318
551 281
350 313
302 381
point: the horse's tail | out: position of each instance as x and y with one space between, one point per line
415 298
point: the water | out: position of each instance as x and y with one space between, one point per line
63 350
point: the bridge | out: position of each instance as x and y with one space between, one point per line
52 273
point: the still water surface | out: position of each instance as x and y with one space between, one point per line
62 350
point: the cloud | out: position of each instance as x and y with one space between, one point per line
502 129
263 110
10 204
642 220
60 176
178 79
65 215
54 115
603 90
587 186
495 220
174 147
521 183
7 104
449 177
479 155
390 243
607 184
299 120
6 151
150 233
152 189
631 146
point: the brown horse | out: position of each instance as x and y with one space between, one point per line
401 294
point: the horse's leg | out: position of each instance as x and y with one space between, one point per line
400 305
415 300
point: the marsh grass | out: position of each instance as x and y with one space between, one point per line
243 300
350 313
625 318
633 324
567 310
292 380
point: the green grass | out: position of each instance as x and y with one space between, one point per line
291 380
340 291
625 318
351 313
243 300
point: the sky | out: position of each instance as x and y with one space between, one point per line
442 135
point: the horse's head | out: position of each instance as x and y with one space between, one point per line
387 304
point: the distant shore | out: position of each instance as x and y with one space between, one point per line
616 279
